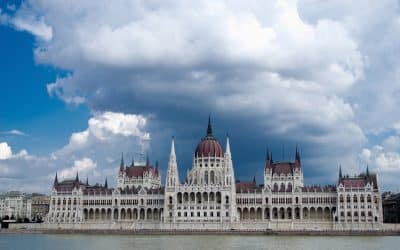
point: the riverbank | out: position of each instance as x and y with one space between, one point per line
202 232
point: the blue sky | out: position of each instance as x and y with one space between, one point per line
83 82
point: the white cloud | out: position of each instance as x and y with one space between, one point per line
5 151
36 26
381 159
14 132
104 128
93 152
84 166
322 73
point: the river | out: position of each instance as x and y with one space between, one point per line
117 242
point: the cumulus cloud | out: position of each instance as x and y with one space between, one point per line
105 129
94 152
5 151
383 161
25 21
35 26
84 166
273 71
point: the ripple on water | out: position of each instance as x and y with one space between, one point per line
115 242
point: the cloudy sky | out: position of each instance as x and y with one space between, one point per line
84 81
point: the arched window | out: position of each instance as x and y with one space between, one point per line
282 187
212 177
276 188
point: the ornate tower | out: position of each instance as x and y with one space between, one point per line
171 183
172 172
229 181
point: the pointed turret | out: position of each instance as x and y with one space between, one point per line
297 157
87 181
254 180
147 160
228 146
367 172
268 158
209 128
122 165
77 177
105 183
172 172
157 170
55 180
340 173
133 162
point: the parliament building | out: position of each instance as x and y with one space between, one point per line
212 199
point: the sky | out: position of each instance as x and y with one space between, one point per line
82 82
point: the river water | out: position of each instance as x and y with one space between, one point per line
115 242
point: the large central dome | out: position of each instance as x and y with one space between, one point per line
209 145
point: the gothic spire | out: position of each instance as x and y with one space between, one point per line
56 180
209 128
147 160
133 162
254 180
105 183
367 173
297 156
228 146
172 178
87 181
340 172
172 147
267 154
122 165
77 177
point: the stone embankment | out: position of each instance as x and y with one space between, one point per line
384 230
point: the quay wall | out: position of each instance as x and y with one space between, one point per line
206 227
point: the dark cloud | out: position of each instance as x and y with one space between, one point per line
275 73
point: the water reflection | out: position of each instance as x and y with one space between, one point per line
114 242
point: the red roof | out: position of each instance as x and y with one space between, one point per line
138 171
283 167
353 182
209 146
317 188
245 186
359 181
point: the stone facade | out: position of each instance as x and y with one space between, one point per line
210 197
40 206
391 207
15 205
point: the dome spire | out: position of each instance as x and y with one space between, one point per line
209 128
228 146
55 180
